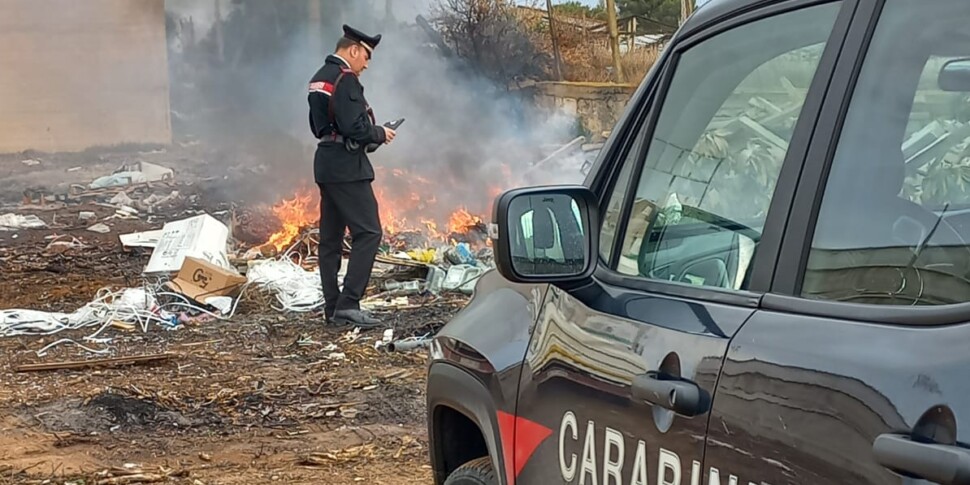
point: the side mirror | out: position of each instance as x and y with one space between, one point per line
545 234
955 76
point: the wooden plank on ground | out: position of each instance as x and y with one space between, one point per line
83 364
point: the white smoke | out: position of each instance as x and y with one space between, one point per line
462 132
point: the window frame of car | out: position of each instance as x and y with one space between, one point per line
784 295
652 95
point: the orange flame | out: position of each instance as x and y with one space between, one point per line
461 221
408 203
295 215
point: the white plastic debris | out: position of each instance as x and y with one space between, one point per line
296 289
132 305
386 339
147 239
31 162
119 179
86 216
100 228
127 212
222 303
12 222
121 199
153 172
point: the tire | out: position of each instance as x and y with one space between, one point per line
475 472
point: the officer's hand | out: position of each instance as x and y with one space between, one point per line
389 135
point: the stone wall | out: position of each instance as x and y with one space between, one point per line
77 74
597 106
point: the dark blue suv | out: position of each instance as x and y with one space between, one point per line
765 279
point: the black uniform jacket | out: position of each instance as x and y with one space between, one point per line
352 119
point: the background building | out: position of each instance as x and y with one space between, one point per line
77 74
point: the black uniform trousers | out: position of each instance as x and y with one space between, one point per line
347 205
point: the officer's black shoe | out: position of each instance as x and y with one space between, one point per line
356 318
326 314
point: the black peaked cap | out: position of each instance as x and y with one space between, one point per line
369 42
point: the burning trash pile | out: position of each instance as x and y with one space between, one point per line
205 264
420 256
207 260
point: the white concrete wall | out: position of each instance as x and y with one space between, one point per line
81 73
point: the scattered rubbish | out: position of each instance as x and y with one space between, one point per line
462 277
409 344
118 179
122 325
74 169
337 356
460 254
306 340
147 239
387 338
135 305
113 362
436 279
121 199
43 352
202 237
31 162
152 201
351 336
296 289
86 216
58 242
199 280
126 212
12 222
153 172
137 173
221 303
405 286
422 255
378 302
100 228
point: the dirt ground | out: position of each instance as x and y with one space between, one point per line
262 397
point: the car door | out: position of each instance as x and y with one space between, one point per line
619 373
855 369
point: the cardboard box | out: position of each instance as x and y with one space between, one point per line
199 279
201 237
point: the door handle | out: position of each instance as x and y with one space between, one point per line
680 396
943 464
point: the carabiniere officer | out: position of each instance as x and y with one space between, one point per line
344 124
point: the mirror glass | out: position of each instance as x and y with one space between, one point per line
547 235
955 76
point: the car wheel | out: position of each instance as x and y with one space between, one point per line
475 472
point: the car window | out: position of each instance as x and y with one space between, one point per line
895 215
611 217
939 122
717 149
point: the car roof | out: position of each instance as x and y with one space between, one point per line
715 9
